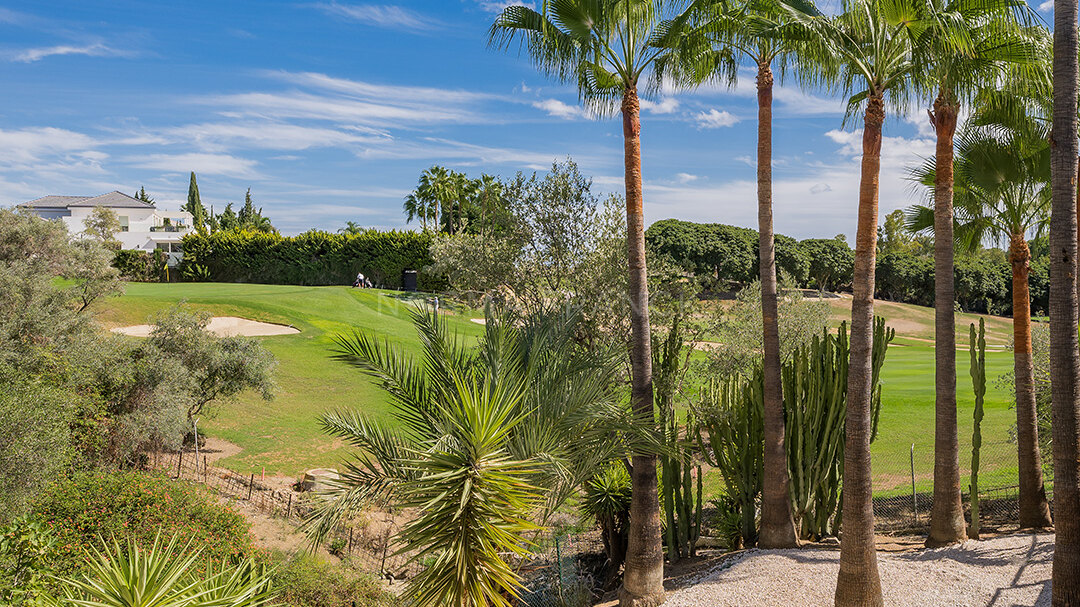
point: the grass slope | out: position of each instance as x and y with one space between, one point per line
283 435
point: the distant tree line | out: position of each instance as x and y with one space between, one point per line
724 258
247 218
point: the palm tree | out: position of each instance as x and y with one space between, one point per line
1064 353
875 60
528 411
489 191
609 48
1001 192
960 45
763 32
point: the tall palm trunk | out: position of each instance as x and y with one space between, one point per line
643 577
1064 357
859 583
777 524
1034 511
947 516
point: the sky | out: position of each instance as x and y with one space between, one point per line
330 110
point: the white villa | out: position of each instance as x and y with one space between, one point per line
142 225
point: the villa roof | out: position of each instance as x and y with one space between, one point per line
113 199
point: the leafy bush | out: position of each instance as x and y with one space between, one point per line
311 258
304 581
138 265
26 551
116 505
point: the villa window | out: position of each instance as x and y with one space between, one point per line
123 223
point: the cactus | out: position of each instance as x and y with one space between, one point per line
977 348
730 413
682 512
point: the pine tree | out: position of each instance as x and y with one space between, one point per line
194 205
141 195
228 220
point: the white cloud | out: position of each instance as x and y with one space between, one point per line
715 119
31 55
1047 7
686 177
813 199
497 6
209 164
27 146
380 15
220 136
557 108
354 102
664 106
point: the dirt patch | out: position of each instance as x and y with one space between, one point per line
222 326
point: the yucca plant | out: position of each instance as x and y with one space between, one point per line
163 576
487 438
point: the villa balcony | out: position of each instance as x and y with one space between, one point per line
169 228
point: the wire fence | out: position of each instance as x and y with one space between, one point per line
367 541
903 486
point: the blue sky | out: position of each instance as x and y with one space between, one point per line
329 111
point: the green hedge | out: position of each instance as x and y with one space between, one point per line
311 258
139 265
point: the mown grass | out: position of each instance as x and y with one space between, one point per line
283 435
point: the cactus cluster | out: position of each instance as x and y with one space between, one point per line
679 476
730 434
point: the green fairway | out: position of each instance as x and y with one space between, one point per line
283 435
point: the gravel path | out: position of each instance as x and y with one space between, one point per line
1011 571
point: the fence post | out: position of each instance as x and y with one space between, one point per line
288 509
180 464
914 497
251 485
350 540
205 471
558 561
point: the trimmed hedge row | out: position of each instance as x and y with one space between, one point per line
311 258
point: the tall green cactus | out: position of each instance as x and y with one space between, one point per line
977 349
682 513
815 403
730 434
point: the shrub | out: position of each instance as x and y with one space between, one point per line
117 505
304 581
311 258
138 265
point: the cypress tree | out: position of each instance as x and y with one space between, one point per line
194 205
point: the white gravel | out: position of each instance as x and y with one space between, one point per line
1011 571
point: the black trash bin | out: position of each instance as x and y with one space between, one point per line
408 280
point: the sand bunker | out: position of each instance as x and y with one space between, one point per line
222 326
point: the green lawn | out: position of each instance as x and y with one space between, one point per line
283 435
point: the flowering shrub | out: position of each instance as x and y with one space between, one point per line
113 504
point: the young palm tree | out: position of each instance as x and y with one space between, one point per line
609 48
1001 192
875 55
763 32
479 432
960 45
1064 355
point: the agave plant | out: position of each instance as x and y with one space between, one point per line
163 576
480 434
